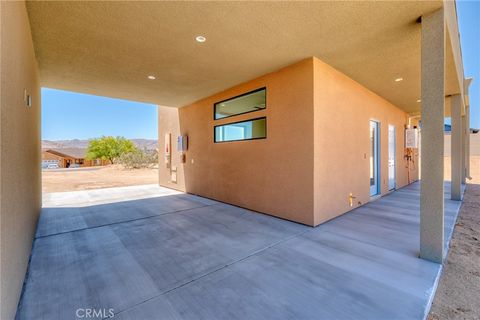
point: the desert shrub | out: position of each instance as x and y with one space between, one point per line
139 159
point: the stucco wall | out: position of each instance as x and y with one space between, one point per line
343 110
316 152
272 175
20 187
169 122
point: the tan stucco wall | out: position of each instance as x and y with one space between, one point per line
20 187
343 110
316 152
272 175
168 122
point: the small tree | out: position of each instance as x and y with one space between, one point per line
139 159
109 148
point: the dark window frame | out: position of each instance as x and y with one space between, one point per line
239 140
235 97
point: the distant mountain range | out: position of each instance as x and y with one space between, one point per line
149 144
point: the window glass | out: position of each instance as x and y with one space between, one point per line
245 130
248 102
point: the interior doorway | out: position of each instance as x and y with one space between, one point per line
374 158
391 157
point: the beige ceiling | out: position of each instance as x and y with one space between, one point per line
109 48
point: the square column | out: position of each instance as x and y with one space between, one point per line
457 148
467 143
433 109
465 132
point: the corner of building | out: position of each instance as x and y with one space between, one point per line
20 152
170 163
343 110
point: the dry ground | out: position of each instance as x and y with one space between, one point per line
458 293
95 178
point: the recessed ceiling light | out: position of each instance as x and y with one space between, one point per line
201 39
398 79
151 77
419 100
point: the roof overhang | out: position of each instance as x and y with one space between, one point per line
109 48
65 154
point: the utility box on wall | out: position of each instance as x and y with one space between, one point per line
411 138
182 147
182 143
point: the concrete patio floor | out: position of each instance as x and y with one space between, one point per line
162 254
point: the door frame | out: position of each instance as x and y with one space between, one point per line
375 189
394 129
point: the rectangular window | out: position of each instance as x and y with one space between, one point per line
244 130
247 102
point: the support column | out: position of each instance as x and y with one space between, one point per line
467 142
465 131
456 151
433 109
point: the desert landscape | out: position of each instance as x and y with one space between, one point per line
58 179
149 144
64 180
457 295
474 158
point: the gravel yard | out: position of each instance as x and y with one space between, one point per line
95 177
458 293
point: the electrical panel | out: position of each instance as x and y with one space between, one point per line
411 138
182 143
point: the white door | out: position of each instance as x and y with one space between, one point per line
391 157
374 158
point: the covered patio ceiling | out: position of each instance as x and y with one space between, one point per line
109 48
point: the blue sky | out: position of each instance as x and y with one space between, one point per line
68 115
468 13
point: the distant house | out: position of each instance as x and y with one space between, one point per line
448 129
69 157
